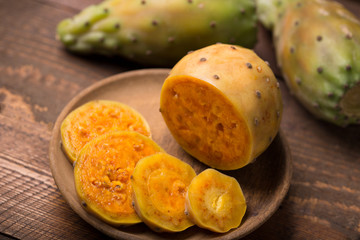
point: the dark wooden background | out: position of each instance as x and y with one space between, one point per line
38 78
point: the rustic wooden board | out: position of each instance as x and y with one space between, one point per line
38 78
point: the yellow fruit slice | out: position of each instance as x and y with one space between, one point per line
215 201
96 118
102 174
160 183
223 105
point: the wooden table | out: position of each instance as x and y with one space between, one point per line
38 78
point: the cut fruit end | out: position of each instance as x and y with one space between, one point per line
165 184
102 174
96 118
215 201
160 183
350 103
219 202
205 123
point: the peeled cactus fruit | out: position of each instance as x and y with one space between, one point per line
160 183
223 105
318 48
96 118
158 32
102 174
215 201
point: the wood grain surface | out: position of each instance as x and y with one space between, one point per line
38 78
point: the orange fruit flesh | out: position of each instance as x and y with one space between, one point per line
205 123
96 118
172 199
160 183
215 201
103 170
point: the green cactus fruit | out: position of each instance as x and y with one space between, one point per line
269 11
318 49
158 32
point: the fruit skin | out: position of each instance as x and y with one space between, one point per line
243 106
160 183
155 32
102 175
215 201
269 11
95 118
318 49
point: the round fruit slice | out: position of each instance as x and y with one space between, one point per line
223 105
160 183
102 174
96 118
215 201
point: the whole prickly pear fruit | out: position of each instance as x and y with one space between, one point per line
318 49
223 105
158 32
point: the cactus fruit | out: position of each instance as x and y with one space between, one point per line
160 183
318 49
215 201
96 118
158 32
102 174
268 11
222 104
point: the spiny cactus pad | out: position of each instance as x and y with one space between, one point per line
158 32
318 48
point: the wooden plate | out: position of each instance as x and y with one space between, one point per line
264 182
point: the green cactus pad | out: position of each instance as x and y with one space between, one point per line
158 32
318 48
